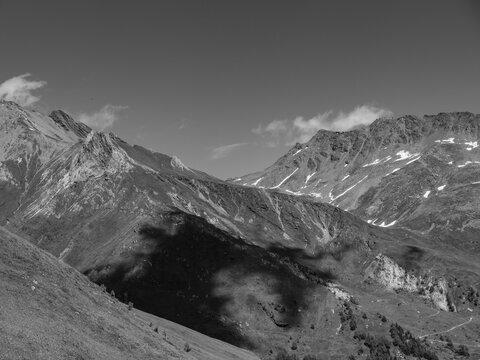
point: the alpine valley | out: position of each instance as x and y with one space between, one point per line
355 245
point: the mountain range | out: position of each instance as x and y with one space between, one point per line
341 245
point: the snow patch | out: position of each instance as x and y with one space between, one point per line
297 152
378 161
471 145
446 141
288 177
426 194
345 177
411 161
387 225
256 182
343 193
309 176
393 171
440 188
375 162
466 163
403 155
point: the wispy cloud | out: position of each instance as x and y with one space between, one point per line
301 130
223 151
182 125
102 119
19 89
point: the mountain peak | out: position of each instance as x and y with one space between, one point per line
69 124
349 169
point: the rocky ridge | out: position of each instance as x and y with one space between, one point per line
419 172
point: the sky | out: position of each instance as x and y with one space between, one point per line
229 86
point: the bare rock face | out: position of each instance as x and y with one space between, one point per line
68 124
438 293
392 276
386 272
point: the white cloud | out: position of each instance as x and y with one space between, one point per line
103 118
301 130
223 151
19 89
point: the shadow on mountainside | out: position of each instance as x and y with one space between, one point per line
190 272
411 257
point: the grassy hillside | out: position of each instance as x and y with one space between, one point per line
50 311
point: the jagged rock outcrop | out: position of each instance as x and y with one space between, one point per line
392 276
386 272
67 123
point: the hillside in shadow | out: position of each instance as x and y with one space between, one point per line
190 272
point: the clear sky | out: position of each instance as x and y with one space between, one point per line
229 86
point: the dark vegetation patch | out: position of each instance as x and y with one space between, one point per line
410 345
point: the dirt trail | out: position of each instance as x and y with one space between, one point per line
446 331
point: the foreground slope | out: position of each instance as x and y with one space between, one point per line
50 311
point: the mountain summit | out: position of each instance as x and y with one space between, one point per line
419 172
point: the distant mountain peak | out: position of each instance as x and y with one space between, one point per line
69 124
385 171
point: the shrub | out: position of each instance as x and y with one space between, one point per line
410 345
353 301
359 335
284 356
462 350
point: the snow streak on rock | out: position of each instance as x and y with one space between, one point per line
288 177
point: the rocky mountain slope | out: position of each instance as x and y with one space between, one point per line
258 267
418 172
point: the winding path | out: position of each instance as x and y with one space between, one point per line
446 331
